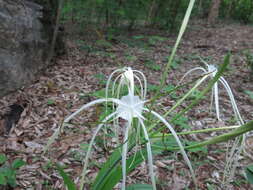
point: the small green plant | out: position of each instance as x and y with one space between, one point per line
131 58
103 43
50 102
152 65
182 122
175 63
249 93
47 166
153 40
101 78
249 59
138 37
8 171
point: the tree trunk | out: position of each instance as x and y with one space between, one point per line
214 12
174 8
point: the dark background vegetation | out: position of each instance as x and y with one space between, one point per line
167 15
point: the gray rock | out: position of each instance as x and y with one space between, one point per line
25 41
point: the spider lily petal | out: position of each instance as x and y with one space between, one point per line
128 79
150 157
232 100
239 143
178 142
61 128
190 71
210 71
90 147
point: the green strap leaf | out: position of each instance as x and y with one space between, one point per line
249 173
111 172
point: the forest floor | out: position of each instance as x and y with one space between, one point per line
78 78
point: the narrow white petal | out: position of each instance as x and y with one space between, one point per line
178 142
232 100
238 144
190 71
61 127
150 157
212 98
145 82
141 86
216 100
117 101
84 107
86 160
109 80
115 83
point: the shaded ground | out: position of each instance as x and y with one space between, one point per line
76 76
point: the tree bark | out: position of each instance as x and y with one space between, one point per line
214 12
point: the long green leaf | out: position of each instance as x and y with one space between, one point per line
67 180
108 167
111 172
179 37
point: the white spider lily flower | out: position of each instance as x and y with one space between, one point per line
126 76
132 107
239 143
210 72
127 107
